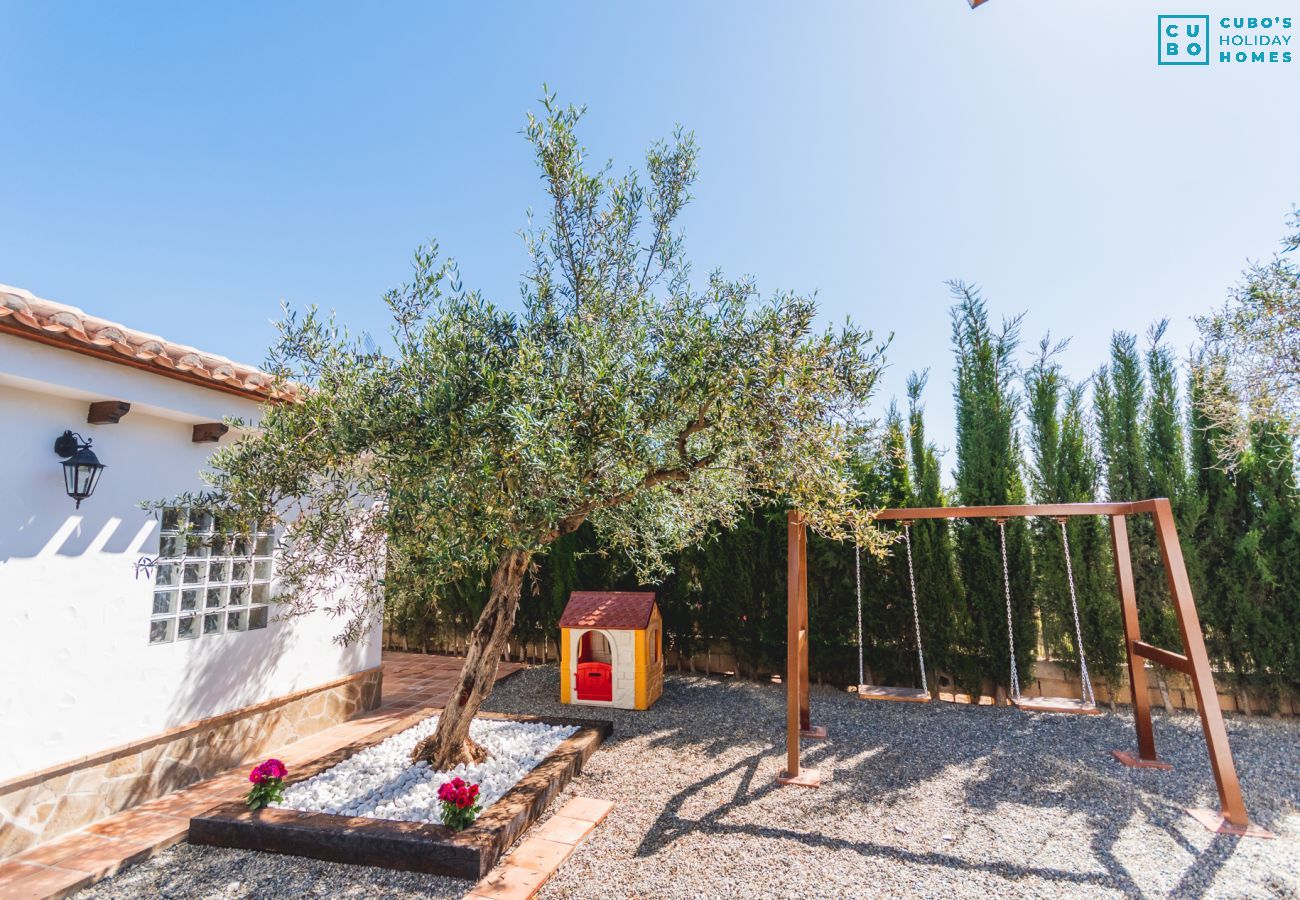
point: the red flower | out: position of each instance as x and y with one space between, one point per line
458 793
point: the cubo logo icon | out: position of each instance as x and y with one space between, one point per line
1184 41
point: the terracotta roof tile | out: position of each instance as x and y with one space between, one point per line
23 314
608 609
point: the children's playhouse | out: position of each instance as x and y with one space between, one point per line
611 649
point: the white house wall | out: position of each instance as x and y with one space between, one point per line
77 674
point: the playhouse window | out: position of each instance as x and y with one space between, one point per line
594 647
202 567
654 645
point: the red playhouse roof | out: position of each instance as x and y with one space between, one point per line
608 609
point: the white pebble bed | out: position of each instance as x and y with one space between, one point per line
380 782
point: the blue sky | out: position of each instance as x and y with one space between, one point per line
184 168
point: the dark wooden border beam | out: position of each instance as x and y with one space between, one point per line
107 412
209 432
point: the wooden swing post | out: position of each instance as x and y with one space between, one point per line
1137 670
1231 817
797 711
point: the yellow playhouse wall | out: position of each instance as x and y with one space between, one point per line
566 667
639 670
649 675
656 674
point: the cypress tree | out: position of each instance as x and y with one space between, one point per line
945 622
1163 440
988 472
1165 459
1215 505
1275 536
1119 397
887 600
1247 535
1064 469
1048 483
1125 434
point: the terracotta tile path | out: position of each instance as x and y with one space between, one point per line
526 868
74 861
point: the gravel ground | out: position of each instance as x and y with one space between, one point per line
202 872
917 800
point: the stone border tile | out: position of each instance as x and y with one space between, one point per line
542 853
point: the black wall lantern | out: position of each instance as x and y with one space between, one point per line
81 467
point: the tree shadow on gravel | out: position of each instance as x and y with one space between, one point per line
1195 882
973 767
671 825
1001 759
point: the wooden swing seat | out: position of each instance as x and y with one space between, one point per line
1056 705
903 694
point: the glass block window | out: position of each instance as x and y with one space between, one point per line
209 581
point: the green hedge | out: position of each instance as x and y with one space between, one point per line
1240 531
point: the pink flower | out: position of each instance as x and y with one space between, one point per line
272 768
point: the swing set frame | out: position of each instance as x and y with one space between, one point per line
1230 818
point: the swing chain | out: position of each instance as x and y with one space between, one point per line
916 615
1084 679
1006 587
857 579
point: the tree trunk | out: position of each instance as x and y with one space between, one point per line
1243 698
1163 686
450 744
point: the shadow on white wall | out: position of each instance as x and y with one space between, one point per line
85 532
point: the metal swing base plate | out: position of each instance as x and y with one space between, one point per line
1218 823
809 778
903 694
1130 759
1056 705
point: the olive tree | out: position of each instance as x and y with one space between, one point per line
1252 346
623 392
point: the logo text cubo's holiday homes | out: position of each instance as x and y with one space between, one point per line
1186 40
